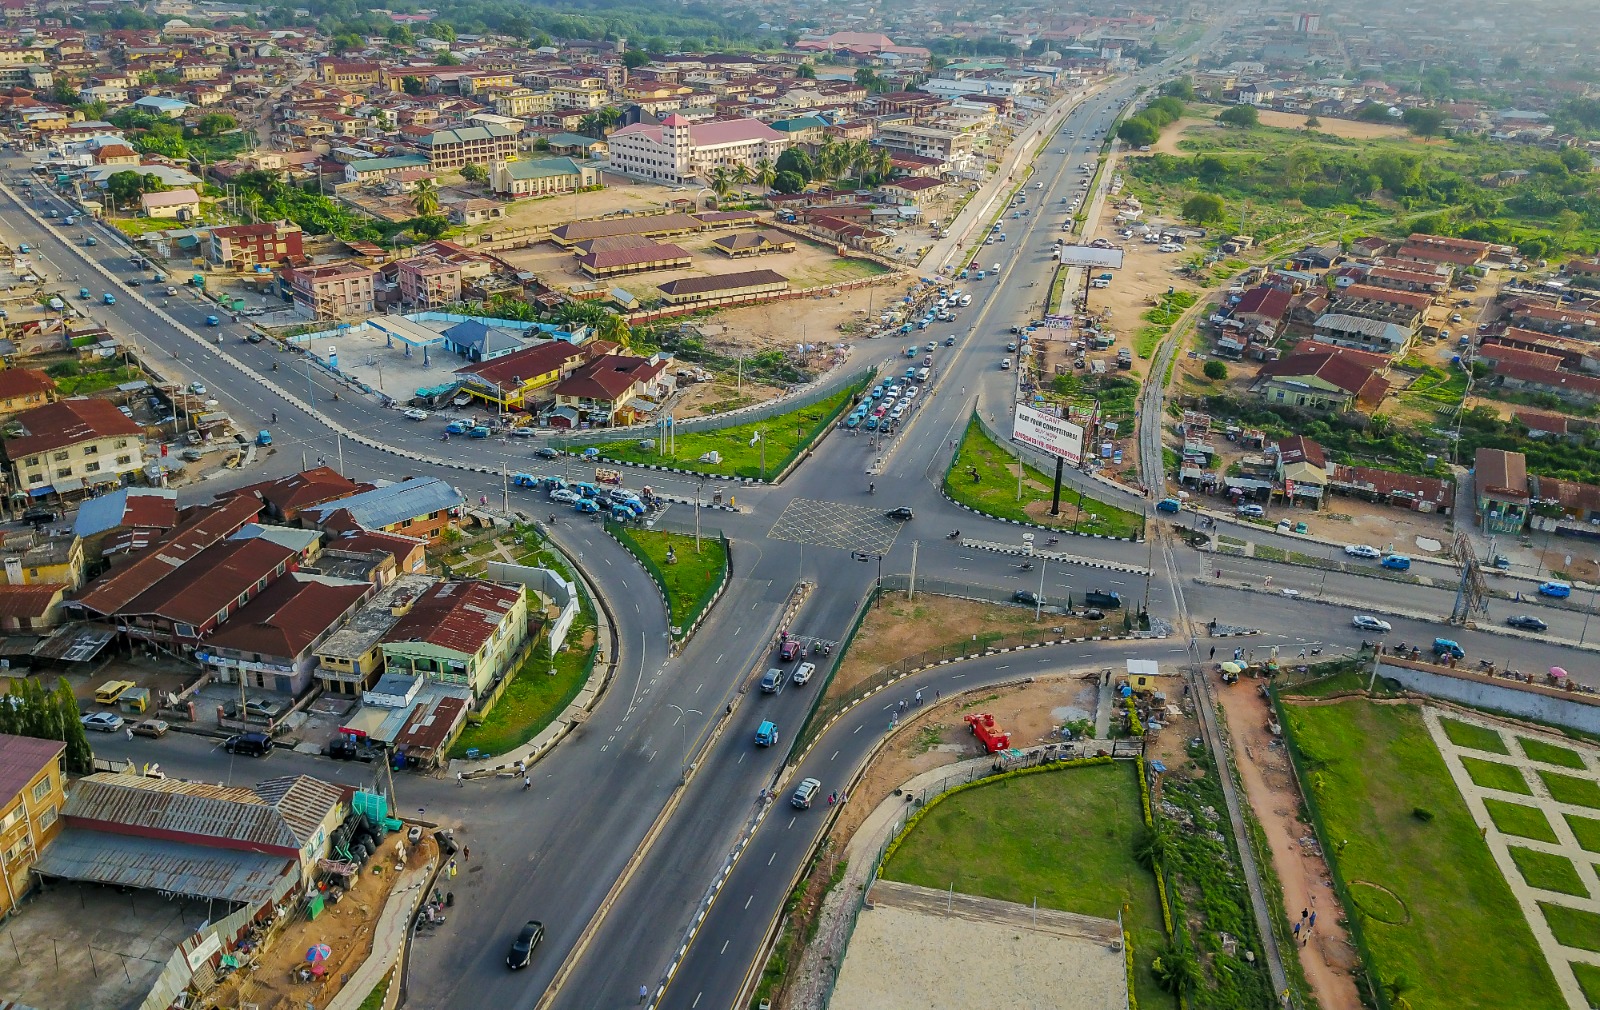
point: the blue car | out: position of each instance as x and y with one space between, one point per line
1558 590
1398 562
525 480
877 392
585 506
479 432
871 424
911 373
457 427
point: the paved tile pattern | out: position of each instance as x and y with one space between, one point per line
1558 956
833 524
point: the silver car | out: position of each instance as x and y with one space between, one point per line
1366 622
806 792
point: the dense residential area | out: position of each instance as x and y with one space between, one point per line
765 506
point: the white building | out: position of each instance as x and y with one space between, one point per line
678 150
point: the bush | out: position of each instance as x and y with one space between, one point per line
1203 208
1240 115
1216 370
1422 814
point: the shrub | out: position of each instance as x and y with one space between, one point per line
1216 370
1240 115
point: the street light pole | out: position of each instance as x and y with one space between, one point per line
683 716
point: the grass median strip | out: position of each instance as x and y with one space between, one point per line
984 477
687 574
759 449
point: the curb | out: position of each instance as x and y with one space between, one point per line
1069 559
1036 526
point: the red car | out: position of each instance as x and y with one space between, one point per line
790 650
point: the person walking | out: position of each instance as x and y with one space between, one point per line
1213 652
644 993
919 696
466 854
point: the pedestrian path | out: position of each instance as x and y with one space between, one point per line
1558 956
388 940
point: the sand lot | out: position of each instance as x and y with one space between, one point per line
908 950
1200 122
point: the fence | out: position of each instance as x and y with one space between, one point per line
1353 916
816 392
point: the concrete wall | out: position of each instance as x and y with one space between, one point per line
546 583
1529 701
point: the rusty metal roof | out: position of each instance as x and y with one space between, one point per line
207 813
172 867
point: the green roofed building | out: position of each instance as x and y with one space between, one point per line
470 145
542 176
576 144
374 169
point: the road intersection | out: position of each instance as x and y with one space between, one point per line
635 820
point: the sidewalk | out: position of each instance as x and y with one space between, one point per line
388 939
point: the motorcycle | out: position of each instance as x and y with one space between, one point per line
1026 566
953 535
1052 541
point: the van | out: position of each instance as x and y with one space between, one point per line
772 681
111 690
922 375
1398 562
1167 505
249 744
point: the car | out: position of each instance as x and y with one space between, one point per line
1555 590
1025 596
197 389
802 674
416 415
1455 317
1527 622
789 651
134 282
155 728
1362 551
521 951
902 513
1251 511
1011 345
524 432
1005 364
254 338
586 506
105 722
251 744
805 793
545 452
949 341
481 431
1447 647
1366 622
343 748
109 298
772 681
1291 593
565 497
457 428
1168 505
1396 562
171 290
766 733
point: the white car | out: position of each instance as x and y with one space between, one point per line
565 497
197 389
105 722
416 415
1362 551
803 673
1366 622
1291 593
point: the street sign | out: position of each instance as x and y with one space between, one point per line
1047 433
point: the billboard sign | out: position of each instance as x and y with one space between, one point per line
1048 433
1091 256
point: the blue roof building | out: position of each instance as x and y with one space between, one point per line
417 506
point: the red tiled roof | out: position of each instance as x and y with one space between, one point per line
1336 369
1504 473
540 359
1264 301
21 758
213 580
28 603
1585 385
1533 420
459 616
301 490
1299 449
1364 358
1367 292
722 282
608 377
114 590
68 422
664 252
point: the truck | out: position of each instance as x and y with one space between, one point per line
766 733
988 732
1102 599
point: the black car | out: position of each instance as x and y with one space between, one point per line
134 282
902 513
1527 622
545 452
255 338
250 744
344 749
40 515
522 947
1025 596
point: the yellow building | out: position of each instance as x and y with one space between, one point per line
508 380
523 102
23 389
34 558
31 797
71 445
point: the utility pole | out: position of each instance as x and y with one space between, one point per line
338 441
911 589
505 488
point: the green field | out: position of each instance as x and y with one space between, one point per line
1548 871
995 492
1586 830
1521 820
1466 734
782 438
534 698
1430 901
688 581
1494 775
1550 754
1573 927
1065 839
1571 789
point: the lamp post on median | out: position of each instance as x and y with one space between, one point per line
683 716
867 557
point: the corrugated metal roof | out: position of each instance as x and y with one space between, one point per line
385 506
302 801
197 809
174 867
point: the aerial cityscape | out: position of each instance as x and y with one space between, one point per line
811 506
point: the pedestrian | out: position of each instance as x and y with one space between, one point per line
1303 914
460 781
527 782
466 854
936 697
644 992
902 704
1313 920
919 696
130 734
1213 652
1297 929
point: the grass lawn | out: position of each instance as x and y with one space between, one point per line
691 579
1550 754
1449 921
1465 734
1571 789
995 492
1572 927
1494 775
1520 820
1586 830
1015 841
1548 871
534 698
1589 980
782 439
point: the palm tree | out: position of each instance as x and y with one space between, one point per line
1395 989
425 201
1152 845
721 181
766 173
882 163
1176 969
592 124
610 116
826 158
743 175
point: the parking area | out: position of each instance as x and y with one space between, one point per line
91 948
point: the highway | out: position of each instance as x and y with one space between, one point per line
618 783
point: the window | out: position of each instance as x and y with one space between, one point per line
92 468
90 449
124 460
47 818
60 456
42 789
31 461
65 471
15 852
